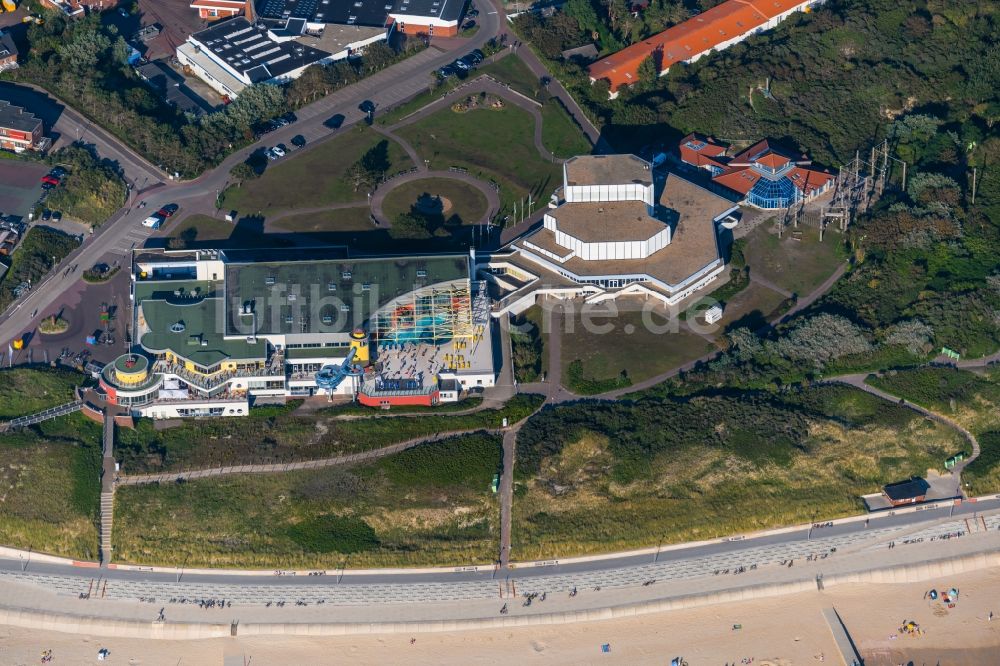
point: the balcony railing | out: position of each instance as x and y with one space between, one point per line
209 382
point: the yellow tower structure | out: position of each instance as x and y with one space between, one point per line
359 343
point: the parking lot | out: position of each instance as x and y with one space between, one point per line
20 186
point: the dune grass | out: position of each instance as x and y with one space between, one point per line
278 434
50 488
603 477
430 505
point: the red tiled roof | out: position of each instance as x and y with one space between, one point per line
738 174
690 38
773 160
702 151
738 179
809 180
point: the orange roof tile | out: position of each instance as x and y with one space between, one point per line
686 40
740 179
773 160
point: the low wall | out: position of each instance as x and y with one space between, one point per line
912 573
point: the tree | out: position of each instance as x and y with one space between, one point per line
649 72
410 225
357 175
913 334
377 56
822 338
243 171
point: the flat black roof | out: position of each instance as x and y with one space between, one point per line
348 12
446 10
249 50
358 12
16 118
904 490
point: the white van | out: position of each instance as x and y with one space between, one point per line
153 221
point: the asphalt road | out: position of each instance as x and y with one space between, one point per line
721 546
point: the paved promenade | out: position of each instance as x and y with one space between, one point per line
347 607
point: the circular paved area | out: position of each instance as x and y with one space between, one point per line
439 198
492 198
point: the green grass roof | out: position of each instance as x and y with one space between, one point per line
295 297
201 339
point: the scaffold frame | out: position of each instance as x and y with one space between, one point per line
433 314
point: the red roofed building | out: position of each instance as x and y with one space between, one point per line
703 152
715 29
212 10
766 176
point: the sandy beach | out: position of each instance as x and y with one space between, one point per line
783 631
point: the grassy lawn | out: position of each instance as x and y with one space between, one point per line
49 487
529 345
428 505
560 134
622 349
751 307
491 144
26 391
459 200
277 434
600 477
432 93
511 69
205 231
313 177
797 265
341 219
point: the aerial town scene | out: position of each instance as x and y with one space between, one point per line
478 331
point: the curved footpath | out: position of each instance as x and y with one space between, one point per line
492 198
350 459
858 381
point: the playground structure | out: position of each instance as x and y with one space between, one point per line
432 315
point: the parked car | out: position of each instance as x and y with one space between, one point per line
367 106
49 179
469 60
57 172
473 13
266 128
168 210
298 141
56 216
289 118
446 71
278 151
334 121
153 221
46 215
461 65
479 55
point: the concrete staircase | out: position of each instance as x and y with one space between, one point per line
107 513
107 486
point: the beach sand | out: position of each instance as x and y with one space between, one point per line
783 631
